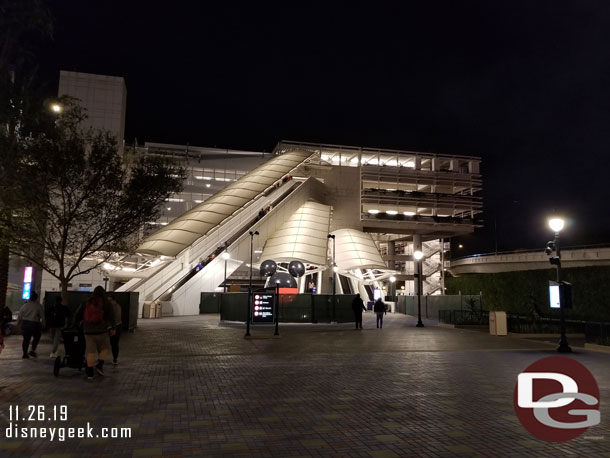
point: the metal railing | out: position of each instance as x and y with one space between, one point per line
597 333
594 331
463 317
531 324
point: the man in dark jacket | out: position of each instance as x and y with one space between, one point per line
97 316
57 319
380 309
358 308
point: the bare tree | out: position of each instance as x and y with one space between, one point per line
80 200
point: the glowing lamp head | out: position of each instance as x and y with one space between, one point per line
226 256
556 224
56 108
392 279
335 269
418 255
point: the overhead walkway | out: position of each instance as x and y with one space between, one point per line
529 260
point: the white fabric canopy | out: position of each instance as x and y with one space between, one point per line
356 250
304 237
188 228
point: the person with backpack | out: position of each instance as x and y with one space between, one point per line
380 309
97 316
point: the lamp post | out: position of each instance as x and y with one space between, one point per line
418 256
334 280
556 225
276 314
252 234
226 256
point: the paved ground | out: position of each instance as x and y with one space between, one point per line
189 387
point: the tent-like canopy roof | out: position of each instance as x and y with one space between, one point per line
304 237
188 228
356 250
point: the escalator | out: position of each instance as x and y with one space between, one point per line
345 284
369 292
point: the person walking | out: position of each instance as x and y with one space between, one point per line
97 317
57 319
114 339
6 316
31 319
358 308
380 309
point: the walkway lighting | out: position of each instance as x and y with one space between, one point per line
226 256
252 234
418 255
335 269
556 224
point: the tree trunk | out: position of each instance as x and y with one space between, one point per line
64 292
4 266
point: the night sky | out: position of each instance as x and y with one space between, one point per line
524 85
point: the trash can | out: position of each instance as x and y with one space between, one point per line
152 309
497 323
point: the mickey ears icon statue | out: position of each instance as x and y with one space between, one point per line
268 268
295 268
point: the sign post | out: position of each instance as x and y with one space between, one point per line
277 306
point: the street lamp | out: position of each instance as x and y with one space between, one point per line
56 108
556 224
392 286
335 269
418 255
252 234
226 256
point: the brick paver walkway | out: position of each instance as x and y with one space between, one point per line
190 387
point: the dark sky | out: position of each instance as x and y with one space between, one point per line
525 85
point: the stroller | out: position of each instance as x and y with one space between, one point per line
74 344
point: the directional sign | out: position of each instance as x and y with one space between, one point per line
263 307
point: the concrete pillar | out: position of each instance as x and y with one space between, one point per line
391 253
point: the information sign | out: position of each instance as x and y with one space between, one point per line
263 307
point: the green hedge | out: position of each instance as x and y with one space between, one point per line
527 291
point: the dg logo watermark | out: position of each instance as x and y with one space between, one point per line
557 399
